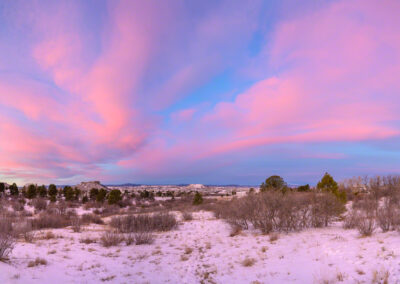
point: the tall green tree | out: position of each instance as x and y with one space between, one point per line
68 193
52 190
328 184
2 187
42 190
31 192
275 182
14 191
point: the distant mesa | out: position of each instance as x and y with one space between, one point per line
88 185
196 186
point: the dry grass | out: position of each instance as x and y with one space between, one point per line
109 239
247 262
38 261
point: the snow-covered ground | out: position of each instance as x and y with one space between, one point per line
201 251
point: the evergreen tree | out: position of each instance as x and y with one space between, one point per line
274 183
14 191
31 192
101 196
52 190
42 191
198 198
114 196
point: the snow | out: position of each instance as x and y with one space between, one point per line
310 256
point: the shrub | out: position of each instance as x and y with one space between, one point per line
38 261
142 238
7 243
144 223
271 211
5 225
39 204
366 226
109 239
304 188
91 218
87 241
46 220
17 206
351 220
187 216
76 225
198 198
387 217
247 262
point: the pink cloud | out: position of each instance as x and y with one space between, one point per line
336 82
183 115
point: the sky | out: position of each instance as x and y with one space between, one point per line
212 92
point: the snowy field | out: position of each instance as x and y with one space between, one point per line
201 251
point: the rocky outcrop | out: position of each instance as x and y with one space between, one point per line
88 185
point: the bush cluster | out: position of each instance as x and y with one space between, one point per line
160 222
274 211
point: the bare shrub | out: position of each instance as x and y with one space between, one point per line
76 225
325 207
351 220
143 238
144 223
91 218
272 211
17 206
110 238
29 236
5 225
7 243
187 216
387 217
46 220
24 228
366 226
39 204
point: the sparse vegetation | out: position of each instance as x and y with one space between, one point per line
110 238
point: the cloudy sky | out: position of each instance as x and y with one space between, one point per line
213 92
